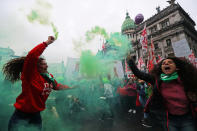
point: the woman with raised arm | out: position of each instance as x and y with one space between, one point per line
37 84
174 93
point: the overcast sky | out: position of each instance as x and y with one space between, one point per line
72 19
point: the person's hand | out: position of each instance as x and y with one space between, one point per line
73 87
50 40
128 57
192 96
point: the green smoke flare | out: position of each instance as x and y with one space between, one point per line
118 45
55 30
41 14
96 31
33 16
89 64
36 15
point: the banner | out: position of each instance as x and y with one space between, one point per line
144 40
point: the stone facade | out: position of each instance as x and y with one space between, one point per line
167 27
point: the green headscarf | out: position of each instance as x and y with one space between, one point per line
48 78
170 77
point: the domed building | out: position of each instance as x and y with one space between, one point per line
128 23
128 26
172 31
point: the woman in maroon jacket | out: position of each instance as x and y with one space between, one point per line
37 84
174 92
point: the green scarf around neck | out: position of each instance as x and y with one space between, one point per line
48 78
170 77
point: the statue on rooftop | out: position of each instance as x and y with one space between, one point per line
171 2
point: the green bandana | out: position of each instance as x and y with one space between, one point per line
168 78
48 78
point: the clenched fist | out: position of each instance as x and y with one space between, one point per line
50 40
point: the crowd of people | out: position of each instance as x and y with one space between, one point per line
167 94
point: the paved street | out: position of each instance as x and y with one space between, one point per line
126 123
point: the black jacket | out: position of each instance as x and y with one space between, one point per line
155 104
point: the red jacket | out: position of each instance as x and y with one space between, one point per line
35 89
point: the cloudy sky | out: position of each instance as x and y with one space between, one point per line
72 19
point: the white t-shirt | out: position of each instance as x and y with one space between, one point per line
108 91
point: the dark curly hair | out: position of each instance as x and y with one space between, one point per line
13 68
187 72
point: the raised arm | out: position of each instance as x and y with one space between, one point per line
141 75
31 60
63 87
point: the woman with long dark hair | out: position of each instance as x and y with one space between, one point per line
174 93
37 84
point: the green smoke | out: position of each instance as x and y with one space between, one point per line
55 30
118 46
94 66
89 64
41 14
38 16
90 35
33 16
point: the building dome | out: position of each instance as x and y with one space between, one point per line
128 23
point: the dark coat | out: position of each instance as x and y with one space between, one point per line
155 104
